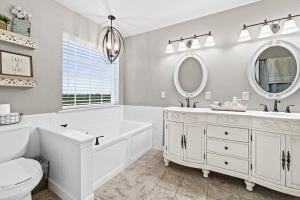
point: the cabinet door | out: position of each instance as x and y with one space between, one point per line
174 140
194 142
293 170
266 157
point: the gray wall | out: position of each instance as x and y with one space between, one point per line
49 21
148 70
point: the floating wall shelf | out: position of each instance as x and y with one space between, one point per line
13 81
18 39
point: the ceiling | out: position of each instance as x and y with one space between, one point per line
139 16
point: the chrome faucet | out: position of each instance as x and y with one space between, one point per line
187 102
276 105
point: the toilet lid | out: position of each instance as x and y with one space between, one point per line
17 171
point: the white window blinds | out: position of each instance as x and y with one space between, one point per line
88 79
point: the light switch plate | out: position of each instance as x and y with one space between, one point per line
208 95
163 94
245 96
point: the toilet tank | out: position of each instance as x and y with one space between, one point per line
13 141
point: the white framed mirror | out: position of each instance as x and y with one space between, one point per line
273 71
190 76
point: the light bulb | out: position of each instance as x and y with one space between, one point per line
108 45
169 48
210 40
245 35
289 26
265 31
182 46
195 44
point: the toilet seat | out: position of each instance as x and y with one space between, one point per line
18 178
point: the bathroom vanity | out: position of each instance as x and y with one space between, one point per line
261 148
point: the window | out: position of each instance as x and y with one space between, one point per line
88 79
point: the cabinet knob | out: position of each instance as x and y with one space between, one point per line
226 163
226 148
226 133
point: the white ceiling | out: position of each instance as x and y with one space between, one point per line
138 16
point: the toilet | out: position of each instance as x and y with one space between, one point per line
18 175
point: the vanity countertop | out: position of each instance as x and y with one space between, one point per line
248 113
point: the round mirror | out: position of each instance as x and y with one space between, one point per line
190 76
273 70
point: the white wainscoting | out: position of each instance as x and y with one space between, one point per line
148 114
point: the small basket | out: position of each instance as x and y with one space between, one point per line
13 118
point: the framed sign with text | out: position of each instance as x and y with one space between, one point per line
14 64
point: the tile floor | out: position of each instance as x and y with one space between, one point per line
149 179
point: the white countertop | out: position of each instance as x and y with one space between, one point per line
248 113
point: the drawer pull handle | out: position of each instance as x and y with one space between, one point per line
226 148
226 163
226 133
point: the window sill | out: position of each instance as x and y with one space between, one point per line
89 107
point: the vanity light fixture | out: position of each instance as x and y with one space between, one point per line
210 40
169 48
265 30
289 26
245 35
195 43
181 45
192 43
271 27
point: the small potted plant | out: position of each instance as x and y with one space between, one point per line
4 21
21 23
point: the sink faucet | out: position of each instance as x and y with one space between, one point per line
276 105
187 102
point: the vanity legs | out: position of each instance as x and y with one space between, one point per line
249 185
167 162
205 173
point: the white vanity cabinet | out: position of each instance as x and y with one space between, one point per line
293 164
184 142
260 148
269 149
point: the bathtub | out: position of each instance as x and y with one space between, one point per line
119 148
77 165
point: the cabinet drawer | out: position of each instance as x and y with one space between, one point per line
228 133
228 148
228 163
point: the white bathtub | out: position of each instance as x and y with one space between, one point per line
116 150
77 165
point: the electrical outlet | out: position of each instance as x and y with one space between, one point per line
208 95
245 96
163 94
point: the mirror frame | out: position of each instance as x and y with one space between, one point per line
251 70
202 84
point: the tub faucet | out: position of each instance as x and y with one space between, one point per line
187 102
276 105
97 140
64 125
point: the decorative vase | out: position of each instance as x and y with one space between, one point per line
3 25
21 26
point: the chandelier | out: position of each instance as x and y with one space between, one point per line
111 41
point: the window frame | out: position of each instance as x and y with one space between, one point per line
114 101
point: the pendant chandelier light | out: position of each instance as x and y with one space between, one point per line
111 41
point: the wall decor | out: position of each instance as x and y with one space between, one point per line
14 64
21 23
4 21
271 27
192 43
